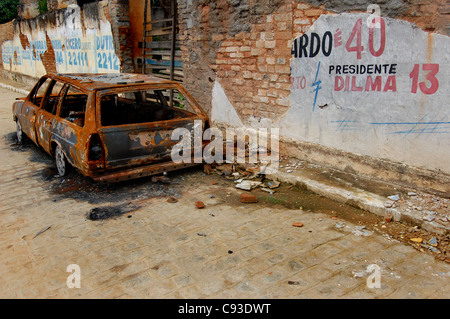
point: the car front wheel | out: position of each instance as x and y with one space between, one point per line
61 162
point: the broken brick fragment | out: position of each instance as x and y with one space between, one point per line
248 198
199 204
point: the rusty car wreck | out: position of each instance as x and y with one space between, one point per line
110 127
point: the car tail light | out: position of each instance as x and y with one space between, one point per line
95 148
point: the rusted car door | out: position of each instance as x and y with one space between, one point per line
137 131
31 107
70 122
46 115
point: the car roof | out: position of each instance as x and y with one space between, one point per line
100 81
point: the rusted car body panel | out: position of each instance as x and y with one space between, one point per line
107 125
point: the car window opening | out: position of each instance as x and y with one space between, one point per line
38 91
73 106
52 97
143 106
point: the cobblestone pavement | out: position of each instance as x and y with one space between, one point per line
174 250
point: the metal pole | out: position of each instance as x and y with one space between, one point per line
172 53
144 44
174 38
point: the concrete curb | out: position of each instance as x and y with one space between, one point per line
359 198
12 88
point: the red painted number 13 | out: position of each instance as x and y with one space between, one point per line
430 77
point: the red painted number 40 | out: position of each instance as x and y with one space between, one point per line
430 77
356 32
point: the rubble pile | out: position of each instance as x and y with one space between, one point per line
430 208
245 176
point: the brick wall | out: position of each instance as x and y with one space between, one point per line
6 33
120 20
246 45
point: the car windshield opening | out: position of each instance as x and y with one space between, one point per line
142 106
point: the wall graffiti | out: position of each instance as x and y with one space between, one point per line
72 48
366 84
346 75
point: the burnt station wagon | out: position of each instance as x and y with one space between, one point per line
110 127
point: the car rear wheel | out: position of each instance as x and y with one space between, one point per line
19 132
61 162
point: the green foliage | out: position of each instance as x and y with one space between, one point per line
8 10
42 6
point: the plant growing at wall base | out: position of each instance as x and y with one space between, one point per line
8 10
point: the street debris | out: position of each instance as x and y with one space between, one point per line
247 185
340 225
272 184
358 274
244 176
429 216
172 199
394 198
389 204
362 231
416 240
293 282
225 169
199 204
162 179
207 169
388 218
433 249
248 198
297 224
201 234
433 242
270 191
43 230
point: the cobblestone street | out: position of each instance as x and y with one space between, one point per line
161 249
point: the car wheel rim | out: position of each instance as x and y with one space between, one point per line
19 133
60 162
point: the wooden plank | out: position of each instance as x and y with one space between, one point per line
166 37
167 76
159 21
176 73
154 33
163 53
160 67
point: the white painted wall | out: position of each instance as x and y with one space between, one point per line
77 49
391 123
396 124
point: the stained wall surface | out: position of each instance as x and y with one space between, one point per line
345 76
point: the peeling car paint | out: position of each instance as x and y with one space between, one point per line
110 127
